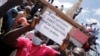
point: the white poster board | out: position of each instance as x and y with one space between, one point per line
53 27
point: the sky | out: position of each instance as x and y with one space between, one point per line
90 12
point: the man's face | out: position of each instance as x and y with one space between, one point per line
41 36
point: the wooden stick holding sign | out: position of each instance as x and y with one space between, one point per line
49 26
56 26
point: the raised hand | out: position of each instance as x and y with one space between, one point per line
35 21
65 42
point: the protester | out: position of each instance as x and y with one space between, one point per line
25 46
20 20
30 34
5 49
11 4
77 13
51 1
14 19
24 5
38 49
62 8
8 20
34 9
77 51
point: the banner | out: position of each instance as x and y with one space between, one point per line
79 36
53 27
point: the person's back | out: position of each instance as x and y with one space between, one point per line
8 19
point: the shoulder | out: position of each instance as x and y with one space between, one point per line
23 40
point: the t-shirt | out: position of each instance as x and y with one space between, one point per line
25 47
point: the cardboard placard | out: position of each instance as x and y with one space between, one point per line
53 27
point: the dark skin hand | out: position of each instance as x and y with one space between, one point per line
65 42
10 37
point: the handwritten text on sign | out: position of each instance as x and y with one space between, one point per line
53 27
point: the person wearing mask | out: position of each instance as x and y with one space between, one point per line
6 47
27 47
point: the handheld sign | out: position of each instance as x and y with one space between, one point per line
53 27
48 26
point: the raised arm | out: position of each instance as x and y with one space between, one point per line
65 42
62 48
10 37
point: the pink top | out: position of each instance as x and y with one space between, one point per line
26 48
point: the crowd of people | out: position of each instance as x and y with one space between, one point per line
18 34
